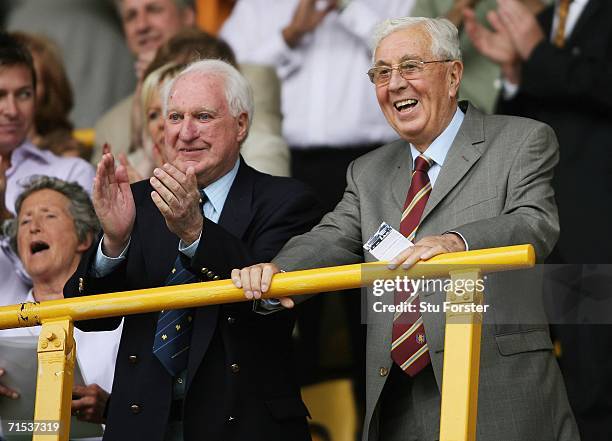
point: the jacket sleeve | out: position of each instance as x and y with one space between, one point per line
530 213
294 212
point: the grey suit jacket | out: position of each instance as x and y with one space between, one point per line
494 189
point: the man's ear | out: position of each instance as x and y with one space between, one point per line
189 17
454 77
84 246
243 126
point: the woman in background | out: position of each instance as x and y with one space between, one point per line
52 129
54 226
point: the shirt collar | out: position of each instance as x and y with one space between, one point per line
439 148
217 191
25 150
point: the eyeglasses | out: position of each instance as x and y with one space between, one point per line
409 69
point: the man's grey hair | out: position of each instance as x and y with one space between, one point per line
238 92
81 209
444 35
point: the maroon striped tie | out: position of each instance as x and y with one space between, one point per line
408 345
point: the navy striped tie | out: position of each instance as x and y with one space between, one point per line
173 331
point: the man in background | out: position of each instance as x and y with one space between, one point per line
557 68
147 25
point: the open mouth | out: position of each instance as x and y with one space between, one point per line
38 246
404 105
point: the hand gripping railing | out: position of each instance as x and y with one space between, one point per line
56 348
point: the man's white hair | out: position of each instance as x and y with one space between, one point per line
444 35
238 92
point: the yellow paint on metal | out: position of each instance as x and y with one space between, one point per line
57 349
85 136
461 368
285 284
56 356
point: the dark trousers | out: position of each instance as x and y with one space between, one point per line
409 407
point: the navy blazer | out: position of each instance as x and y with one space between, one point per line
240 376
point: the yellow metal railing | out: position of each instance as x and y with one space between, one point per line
462 345
85 136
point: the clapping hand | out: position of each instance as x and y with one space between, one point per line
522 26
114 204
305 19
177 197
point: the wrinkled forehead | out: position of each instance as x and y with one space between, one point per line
194 82
45 199
410 43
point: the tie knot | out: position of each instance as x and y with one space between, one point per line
422 163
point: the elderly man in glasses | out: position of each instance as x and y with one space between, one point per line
456 180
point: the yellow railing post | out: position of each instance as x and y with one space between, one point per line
56 356
460 372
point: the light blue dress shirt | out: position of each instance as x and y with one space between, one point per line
438 150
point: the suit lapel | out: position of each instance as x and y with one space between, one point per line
460 158
401 177
237 211
156 241
591 8
235 218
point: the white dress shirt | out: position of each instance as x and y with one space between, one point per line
327 98
439 148
575 10
437 152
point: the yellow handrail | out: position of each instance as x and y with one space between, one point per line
286 284
56 352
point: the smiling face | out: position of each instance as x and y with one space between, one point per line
200 131
150 23
420 108
46 237
16 106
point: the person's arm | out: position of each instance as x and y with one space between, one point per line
257 39
295 210
114 204
530 212
339 231
359 19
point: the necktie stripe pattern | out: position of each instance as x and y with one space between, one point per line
562 12
173 330
409 349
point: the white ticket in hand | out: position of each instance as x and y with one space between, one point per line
387 242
